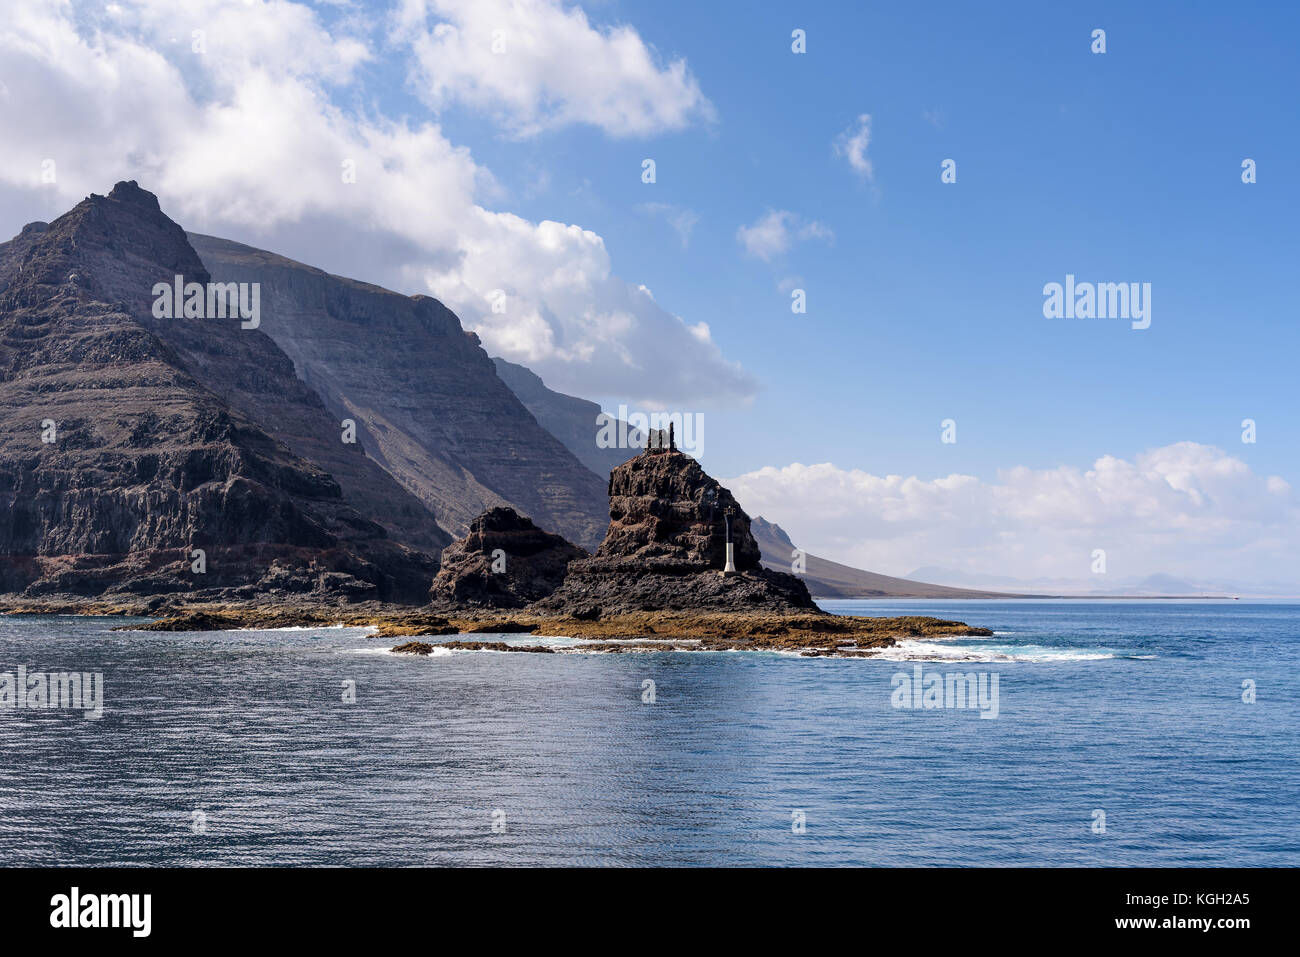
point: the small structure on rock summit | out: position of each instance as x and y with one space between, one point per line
730 567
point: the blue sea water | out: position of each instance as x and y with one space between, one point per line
238 748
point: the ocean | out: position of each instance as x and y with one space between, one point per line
1126 733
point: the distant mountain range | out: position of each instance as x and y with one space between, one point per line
828 579
1159 584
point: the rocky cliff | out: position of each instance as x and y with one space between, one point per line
666 548
576 422
127 440
425 396
504 562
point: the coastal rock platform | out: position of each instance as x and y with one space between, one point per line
812 634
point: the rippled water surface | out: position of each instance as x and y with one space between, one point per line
1131 708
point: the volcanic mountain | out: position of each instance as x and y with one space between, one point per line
425 397
128 440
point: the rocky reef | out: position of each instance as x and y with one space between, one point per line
504 562
813 634
810 633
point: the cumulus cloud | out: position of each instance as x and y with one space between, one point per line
852 145
244 140
541 66
773 233
1185 508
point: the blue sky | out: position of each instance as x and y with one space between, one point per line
927 305
522 171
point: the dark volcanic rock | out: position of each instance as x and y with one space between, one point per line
424 648
666 548
170 435
532 563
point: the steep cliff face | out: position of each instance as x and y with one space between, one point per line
126 440
426 398
666 548
576 422
504 562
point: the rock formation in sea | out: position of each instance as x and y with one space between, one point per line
666 549
426 399
128 440
504 562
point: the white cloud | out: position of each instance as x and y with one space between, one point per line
852 145
1185 508
541 66
245 141
773 233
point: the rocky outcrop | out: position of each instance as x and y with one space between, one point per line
504 562
128 440
425 396
424 648
666 549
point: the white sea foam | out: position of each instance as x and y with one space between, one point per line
908 650
436 653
